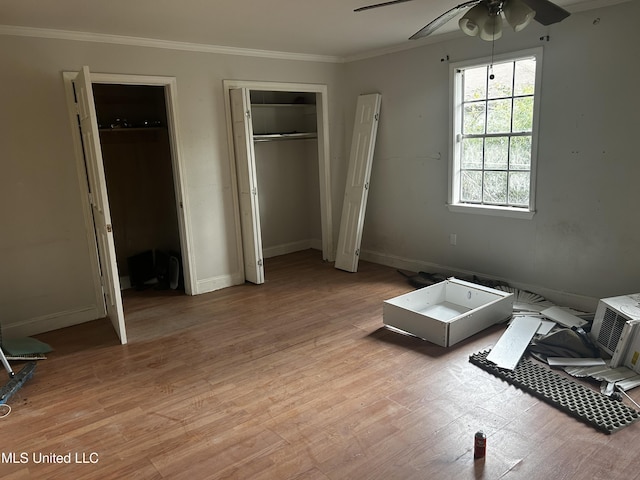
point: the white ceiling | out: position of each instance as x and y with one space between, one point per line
312 27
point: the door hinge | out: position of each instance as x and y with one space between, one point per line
247 114
366 186
377 116
260 262
109 228
358 252
254 191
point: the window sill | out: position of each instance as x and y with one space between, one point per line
493 211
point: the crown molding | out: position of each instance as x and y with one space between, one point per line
19 31
408 45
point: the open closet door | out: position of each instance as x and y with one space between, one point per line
247 185
99 202
357 188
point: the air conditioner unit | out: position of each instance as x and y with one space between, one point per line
616 330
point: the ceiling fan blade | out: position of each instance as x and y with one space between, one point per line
442 19
547 12
383 4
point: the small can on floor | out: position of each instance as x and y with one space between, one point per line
479 444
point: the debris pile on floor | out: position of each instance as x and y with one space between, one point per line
605 348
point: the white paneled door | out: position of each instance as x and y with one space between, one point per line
357 188
99 202
247 184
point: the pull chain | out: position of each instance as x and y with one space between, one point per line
493 44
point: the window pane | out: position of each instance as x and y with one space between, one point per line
525 77
493 130
475 84
495 187
471 156
519 188
473 121
471 187
523 114
499 116
496 153
520 153
501 85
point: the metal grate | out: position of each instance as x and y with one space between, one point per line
611 329
592 407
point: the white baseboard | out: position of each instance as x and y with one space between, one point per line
55 321
68 318
564 299
285 248
216 283
46 323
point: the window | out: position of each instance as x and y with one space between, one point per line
494 134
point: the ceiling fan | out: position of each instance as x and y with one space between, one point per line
484 17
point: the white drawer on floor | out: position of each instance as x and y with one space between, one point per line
449 311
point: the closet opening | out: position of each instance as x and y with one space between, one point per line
278 133
286 154
137 158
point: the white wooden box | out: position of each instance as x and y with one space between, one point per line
449 311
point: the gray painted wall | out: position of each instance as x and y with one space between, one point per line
46 277
583 241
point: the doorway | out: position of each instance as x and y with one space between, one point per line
278 136
137 133
136 155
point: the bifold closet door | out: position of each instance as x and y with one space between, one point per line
357 188
247 185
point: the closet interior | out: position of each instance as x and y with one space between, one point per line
286 158
137 157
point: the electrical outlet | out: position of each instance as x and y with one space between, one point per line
453 239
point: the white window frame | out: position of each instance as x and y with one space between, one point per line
455 103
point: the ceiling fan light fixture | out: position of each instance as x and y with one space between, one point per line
491 29
473 21
518 14
484 17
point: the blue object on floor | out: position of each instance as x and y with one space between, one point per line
15 380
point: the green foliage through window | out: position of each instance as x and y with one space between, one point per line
495 130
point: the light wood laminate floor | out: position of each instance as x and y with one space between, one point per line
293 379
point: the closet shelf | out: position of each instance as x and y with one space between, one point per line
271 137
283 105
132 129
